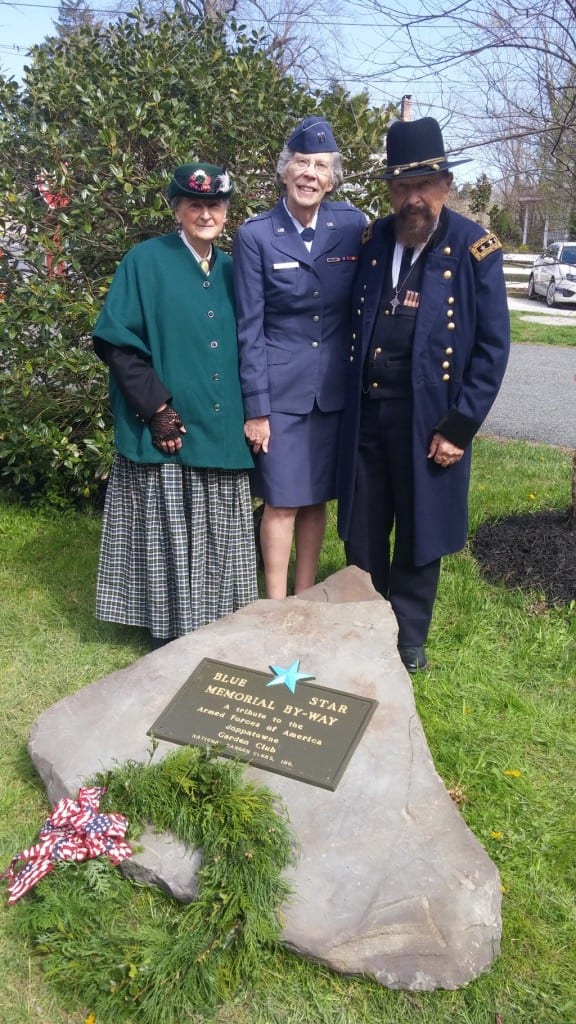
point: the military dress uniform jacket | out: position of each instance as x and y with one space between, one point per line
293 309
459 355
181 322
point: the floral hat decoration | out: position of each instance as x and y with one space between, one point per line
200 181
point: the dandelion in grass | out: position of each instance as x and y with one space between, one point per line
497 835
513 773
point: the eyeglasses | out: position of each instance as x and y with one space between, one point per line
305 163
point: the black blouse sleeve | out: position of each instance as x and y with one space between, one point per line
138 382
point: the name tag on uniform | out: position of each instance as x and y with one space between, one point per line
285 266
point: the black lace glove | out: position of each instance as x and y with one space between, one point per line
164 426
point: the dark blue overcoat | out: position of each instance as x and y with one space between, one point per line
293 309
460 350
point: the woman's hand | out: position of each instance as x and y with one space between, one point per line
166 426
257 432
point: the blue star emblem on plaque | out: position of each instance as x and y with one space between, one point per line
288 676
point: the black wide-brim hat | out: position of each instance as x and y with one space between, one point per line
416 148
200 181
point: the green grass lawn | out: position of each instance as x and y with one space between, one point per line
498 708
541 334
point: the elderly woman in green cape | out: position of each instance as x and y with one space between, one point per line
177 542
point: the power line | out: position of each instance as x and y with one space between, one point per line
353 23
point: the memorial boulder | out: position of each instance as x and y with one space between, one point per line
389 881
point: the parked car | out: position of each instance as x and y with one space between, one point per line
553 275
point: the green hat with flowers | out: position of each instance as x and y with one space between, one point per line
200 181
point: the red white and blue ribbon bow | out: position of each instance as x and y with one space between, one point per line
76 830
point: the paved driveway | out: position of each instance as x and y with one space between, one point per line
537 401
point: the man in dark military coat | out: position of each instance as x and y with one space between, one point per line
430 343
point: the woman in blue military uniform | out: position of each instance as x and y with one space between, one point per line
293 270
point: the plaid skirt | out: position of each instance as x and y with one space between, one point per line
177 548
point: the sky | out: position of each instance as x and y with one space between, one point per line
22 26
360 42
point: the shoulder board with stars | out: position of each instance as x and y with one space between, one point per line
367 234
484 246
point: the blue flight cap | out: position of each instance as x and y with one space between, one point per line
313 135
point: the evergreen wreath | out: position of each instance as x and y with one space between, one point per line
131 953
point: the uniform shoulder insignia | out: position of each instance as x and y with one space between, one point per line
484 246
367 234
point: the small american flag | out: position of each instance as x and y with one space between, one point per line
76 830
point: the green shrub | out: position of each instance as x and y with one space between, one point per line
103 117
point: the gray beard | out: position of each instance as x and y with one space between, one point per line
413 231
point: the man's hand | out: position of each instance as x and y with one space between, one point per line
257 431
444 452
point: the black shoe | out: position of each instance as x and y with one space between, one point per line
156 642
413 658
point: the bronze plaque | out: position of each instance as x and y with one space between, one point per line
276 722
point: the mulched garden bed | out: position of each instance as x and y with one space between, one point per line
535 551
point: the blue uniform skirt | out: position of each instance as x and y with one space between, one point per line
300 465
177 549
